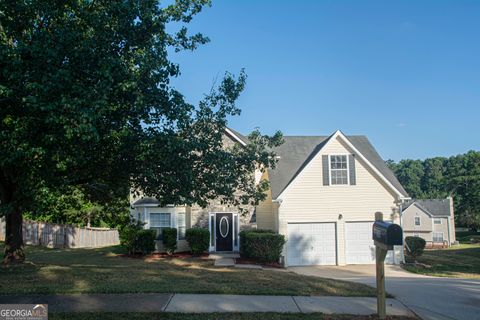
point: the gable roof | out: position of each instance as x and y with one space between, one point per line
236 136
435 207
297 151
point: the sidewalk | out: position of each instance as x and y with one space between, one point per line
206 303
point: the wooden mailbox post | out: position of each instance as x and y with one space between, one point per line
385 236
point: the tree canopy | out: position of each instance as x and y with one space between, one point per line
86 100
458 176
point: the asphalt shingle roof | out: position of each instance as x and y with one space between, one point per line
436 207
297 151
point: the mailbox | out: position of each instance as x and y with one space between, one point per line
386 233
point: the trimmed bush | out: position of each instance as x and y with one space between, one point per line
263 246
242 237
136 239
414 247
146 241
170 240
198 239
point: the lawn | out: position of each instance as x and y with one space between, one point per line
61 271
461 261
211 316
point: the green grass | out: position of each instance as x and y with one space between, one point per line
64 271
211 316
461 261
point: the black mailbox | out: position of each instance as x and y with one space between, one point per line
387 233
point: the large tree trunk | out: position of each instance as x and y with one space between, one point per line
14 249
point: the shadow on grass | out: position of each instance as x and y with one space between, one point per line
59 271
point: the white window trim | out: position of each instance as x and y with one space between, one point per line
176 223
415 221
433 236
439 219
330 170
235 226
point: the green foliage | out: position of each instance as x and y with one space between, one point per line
262 246
458 176
198 239
169 240
244 232
145 241
414 247
73 206
86 100
136 239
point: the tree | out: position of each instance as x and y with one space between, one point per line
458 176
85 100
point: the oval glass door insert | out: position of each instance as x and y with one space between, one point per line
224 227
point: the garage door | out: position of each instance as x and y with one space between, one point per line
311 244
359 247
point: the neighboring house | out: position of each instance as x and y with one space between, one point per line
430 219
324 194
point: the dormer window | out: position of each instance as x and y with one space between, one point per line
338 170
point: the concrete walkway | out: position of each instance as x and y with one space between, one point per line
206 303
431 298
224 259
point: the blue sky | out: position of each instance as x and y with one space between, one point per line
404 73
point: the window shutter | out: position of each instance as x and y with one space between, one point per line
326 172
351 165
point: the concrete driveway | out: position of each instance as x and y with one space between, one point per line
429 297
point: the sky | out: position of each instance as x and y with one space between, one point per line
404 73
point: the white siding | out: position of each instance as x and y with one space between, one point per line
306 199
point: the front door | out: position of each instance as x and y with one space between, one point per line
224 231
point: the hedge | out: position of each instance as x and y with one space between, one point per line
414 248
169 240
242 237
136 239
198 239
261 245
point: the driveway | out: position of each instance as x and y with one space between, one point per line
429 297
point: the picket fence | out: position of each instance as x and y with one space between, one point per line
64 236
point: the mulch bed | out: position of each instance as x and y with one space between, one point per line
268 265
163 255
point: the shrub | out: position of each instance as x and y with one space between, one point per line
170 240
198 239
146 241
128 235
136 239
414 248
263 246
242 237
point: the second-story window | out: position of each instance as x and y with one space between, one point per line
417 221
338 170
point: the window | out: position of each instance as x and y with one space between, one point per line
338 170
438 237
417 221
159 221
181 225
437 221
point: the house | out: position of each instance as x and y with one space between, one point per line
324 194
430 219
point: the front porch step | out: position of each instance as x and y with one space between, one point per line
224 262
221 255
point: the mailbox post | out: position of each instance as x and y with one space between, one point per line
385 236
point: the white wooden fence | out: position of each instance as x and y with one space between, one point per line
64 236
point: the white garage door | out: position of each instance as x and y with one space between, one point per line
359 247
311 244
